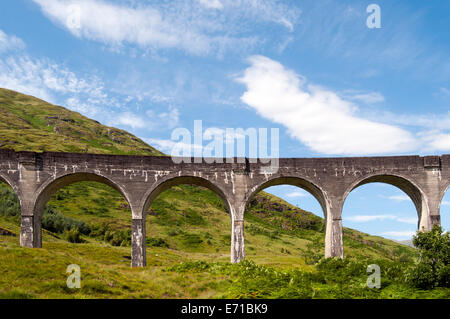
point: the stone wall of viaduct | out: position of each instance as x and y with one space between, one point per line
140 179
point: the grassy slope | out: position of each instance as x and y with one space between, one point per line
191 220
30 124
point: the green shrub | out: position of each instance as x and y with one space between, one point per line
55 222
9 203
193 218
115 237
73 236
156 242
432 270
191 240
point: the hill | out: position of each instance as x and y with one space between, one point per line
89 223
46 127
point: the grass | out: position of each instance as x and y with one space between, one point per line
185 225
51 128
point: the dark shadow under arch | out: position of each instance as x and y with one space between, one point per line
179 180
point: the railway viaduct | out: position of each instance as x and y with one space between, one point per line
140 179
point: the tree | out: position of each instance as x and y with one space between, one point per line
433 267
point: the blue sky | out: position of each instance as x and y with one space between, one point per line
313 69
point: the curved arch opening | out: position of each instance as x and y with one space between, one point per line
48 190
189 214
379 219
187 180
444 210
403 184
283 223
9 212
81 208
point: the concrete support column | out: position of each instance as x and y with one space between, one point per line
30 232
138 243
425 221
334 246
238 202
237 241
432 194
429 216
30 226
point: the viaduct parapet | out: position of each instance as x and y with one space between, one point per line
140 179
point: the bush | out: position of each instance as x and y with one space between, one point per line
157 242
53 221
112 236
191 240
73 235
432 270
422 276
9 203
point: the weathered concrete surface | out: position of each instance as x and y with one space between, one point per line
140 179
138 251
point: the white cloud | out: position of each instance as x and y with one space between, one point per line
408 220
47 80
371 218
168 119
404 234
176 24
430 121
212 4
365 97
10 42
167 146
399 198
436 141
116 24
129 119
317 117
297 194
85 108
432 129
445 203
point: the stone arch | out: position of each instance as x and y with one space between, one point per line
31 233
46 190
6 180
405 184
305 184
171 181
320 195
168 182
16 190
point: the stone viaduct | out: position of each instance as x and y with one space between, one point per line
36 176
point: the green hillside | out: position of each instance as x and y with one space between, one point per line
89 224
30 124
